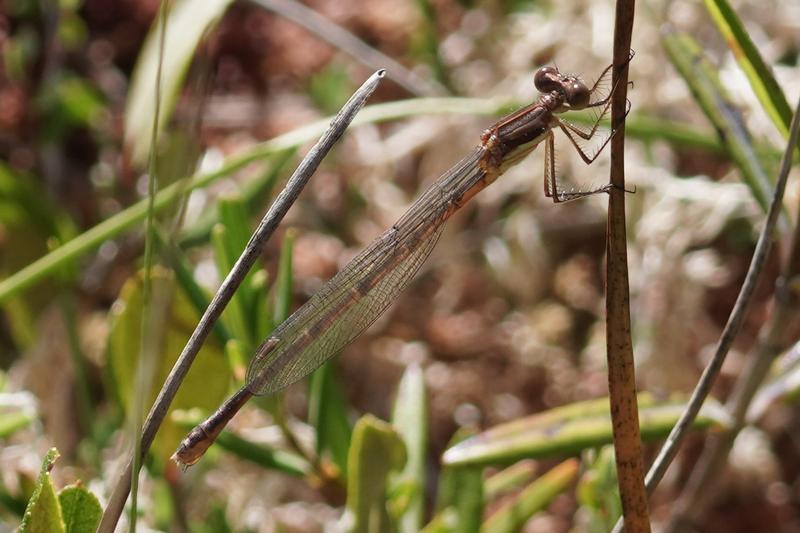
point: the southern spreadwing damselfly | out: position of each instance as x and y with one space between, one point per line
355 297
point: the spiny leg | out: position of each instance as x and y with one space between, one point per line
568 129
550 177
606 102
596 124
603 79
550 190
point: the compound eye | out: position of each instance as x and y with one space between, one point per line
547 79
577 94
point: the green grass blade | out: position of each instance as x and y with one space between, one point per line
570 429
533 499
460 498
327 413
764 84
410 417
187 21
701 77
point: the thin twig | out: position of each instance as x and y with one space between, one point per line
355 47
621 372
226 290
769 345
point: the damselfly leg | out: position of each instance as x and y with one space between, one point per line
586 142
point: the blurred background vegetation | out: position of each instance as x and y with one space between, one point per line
505 320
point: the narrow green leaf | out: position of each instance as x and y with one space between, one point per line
460 499
260 454
376 451
194 292
701 77
410 418
187 21
535 498
43 513
283 284
327 413
509 479
570 429
235 314
764 84
262 314
233 215
80 508
234 218
264 456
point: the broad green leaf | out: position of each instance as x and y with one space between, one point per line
535 498
701 77
80 508
207 382
327 413
410 419
187 22
43 514
264 456
571 429
376 451
764 84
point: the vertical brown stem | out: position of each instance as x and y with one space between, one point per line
621 374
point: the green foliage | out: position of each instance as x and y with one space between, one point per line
597 491
571 429
330 88
759 75
460 497
375 452
187 22
43 514
410 419
327 413
533 499
178 319
73 510
80 509
702 78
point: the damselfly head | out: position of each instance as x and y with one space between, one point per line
574 92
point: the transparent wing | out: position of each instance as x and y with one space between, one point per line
353 299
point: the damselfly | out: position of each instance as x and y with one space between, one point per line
350 301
